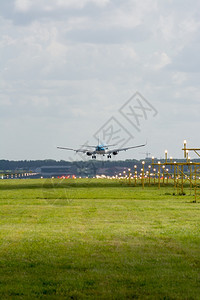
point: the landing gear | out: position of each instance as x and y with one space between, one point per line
94 157
109 156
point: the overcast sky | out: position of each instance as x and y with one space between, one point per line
69 67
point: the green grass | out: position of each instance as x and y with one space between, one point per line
97 239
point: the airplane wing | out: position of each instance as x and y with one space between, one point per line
104 145
76 150
124 149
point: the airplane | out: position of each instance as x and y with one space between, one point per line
101 150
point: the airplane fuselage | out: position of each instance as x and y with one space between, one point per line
101 150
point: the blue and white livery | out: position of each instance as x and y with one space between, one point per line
101 150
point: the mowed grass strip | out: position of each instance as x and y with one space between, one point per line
97 240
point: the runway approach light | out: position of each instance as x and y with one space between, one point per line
166 155
184 148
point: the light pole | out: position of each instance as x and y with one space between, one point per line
149 175
154 176
143 163
166 156
163 167
184 148
152 161
135 174
129 176
159 174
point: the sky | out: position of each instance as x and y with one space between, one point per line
73 71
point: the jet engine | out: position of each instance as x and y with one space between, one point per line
89 153
115 153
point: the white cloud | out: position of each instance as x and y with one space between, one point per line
167 27
163 60
51 5
57 50
130 14
23 5
79 4
129 52
5 100
6 41
179 78
41 101
74 63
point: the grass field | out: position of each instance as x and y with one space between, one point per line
97 239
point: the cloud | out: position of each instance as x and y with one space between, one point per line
24 12
179 78
163 60
74 3
23 5
188 59
52 5
4 100
72 64
108 35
